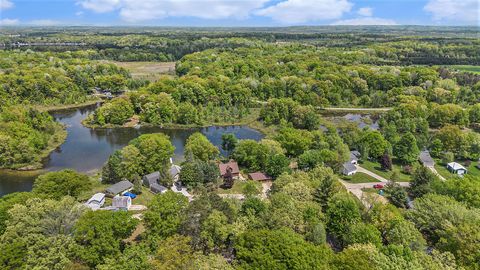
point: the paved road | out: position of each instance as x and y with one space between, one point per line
372 174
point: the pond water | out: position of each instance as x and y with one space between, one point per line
362 120
86 149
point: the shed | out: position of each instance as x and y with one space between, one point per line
96 201
426 159
456 168
349 169
157 188
231 166
119 187
121 202
259 176
151 178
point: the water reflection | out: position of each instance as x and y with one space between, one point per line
86 149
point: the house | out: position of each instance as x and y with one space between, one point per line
121 202
456 168
231 168
349 169
96 201
151 181
259 176
119 187
354 155
174 172
426 159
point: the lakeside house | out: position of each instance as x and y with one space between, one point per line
456 168
229 169
259 176
349 169
151 181
426 159
96 201
118 188
121 202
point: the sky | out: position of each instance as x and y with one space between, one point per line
231 13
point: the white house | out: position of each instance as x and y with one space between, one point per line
96 201
122 202
456 168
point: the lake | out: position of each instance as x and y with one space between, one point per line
87 149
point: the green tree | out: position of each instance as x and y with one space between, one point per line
361 233
165 213
276 165
294 141
421 180
199 147
279 249
374 142
406 149
229 141
134 257
156 149
55 185
342 212
100 234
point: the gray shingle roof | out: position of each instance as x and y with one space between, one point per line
119 187
349 167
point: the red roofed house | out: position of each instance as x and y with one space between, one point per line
259 176
229 167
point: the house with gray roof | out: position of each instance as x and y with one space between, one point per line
121 202
152 182
349 169
456 168
426 159
96 201
120 187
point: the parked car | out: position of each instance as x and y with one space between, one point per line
378 186
129 194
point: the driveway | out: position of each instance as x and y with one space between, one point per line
367 199
436 173
372 174
184 191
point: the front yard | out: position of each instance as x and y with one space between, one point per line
238 186
442 169
377 168
360 177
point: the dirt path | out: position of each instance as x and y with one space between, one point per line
436 173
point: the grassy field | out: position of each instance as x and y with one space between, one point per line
360 178
143 198
151 71
467 68
442 170
377 168
238 188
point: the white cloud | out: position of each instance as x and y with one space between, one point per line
137 11
461 11
9 22
301 11
100 6
79 13
365 21
365 11
44 22
5 4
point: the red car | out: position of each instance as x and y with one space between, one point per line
378 186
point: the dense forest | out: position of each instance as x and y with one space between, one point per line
282 82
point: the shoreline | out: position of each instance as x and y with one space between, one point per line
54 108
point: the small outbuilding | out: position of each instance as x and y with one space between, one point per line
349 169
456 168
96 201
426 159
121 202
229 168
174 172
259 176
119 188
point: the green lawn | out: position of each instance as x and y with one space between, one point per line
377 168
360 178
238 188
468 68
143 198
442 170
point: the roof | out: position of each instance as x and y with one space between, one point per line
121 201
426 159
259 176
152 176
96 198
353 156
119 187
455 166
174 170
232 164
157 188
355 153
349 167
